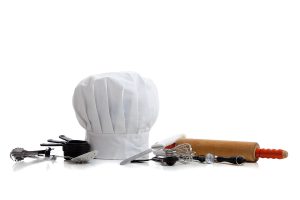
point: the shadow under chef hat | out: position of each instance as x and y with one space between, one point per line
117 110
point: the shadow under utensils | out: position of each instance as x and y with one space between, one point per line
71 165
24 164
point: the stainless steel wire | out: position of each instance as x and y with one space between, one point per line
184 152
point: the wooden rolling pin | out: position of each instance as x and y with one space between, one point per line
249 150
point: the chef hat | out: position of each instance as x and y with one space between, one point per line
117 110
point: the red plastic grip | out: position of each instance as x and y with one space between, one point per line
270 153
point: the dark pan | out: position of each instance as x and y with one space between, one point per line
71 148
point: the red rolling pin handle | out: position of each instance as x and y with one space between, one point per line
271 153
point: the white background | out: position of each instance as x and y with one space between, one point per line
224 70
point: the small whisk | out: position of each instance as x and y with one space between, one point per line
183 152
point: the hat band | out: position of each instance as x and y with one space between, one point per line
118 146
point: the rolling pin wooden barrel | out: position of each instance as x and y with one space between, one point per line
249 150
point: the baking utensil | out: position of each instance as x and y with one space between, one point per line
19 154
183 151
168 161
249 150
71 148
154 147
210 159
84 158
185 154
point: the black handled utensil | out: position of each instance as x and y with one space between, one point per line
209 158
71 148
56 141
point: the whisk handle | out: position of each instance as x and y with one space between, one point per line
234 160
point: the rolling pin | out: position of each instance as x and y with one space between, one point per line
249 150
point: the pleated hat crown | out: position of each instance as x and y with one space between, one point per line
117 110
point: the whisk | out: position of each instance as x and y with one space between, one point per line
184 152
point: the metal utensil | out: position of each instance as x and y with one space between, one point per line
18 154
72 148
84 158
155 147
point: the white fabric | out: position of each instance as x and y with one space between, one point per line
117 110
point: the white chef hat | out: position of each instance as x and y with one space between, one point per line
117 110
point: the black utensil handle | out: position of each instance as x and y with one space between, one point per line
199 158
56 141
140 161
234 160
51 145
65 138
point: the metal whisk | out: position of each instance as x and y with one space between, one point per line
183 152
